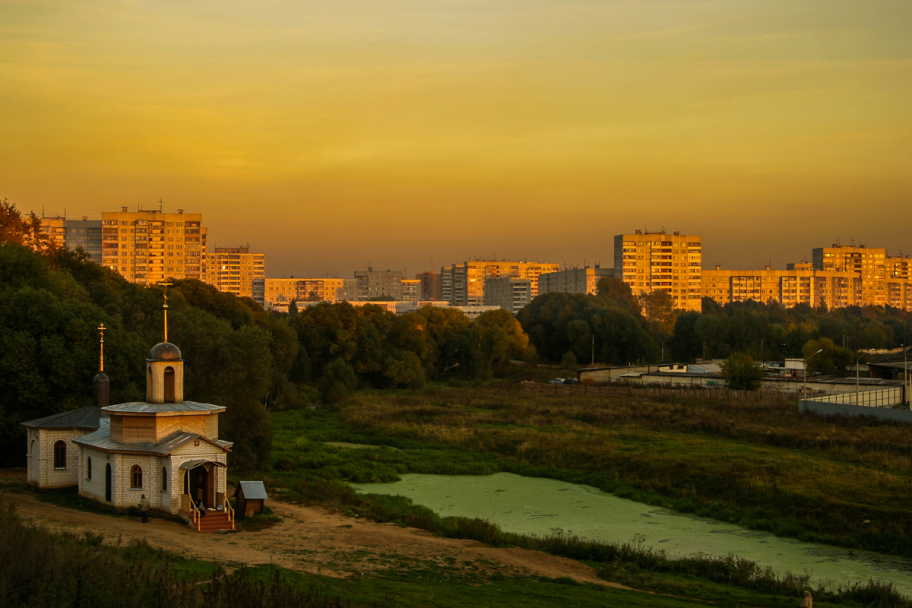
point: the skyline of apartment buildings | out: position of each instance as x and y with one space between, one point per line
150 246
464 284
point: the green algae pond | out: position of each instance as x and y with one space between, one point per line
540 506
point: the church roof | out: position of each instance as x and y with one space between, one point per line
165 351
101 439
83 418
141 407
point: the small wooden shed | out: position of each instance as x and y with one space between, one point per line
251 497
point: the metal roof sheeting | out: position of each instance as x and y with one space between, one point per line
83 418
141 407
101 439
253 490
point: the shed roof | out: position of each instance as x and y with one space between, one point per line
142 407
252 490
83 418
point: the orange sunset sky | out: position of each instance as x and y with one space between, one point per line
327 133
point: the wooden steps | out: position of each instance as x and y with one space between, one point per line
215 521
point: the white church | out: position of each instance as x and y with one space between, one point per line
164 447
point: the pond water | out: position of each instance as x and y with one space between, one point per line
535 505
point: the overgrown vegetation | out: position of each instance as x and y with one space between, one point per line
763 465
39 568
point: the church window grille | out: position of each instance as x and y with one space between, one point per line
89 469
136 476
164 479
60 451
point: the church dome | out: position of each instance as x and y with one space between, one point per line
165 351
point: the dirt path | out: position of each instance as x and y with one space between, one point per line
313 540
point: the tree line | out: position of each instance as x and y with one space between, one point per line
52 301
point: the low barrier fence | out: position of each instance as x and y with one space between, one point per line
874 404
884 397
654 391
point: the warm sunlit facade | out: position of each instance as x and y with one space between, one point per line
234 269
657 261
147 247
278 293
830 288
411 290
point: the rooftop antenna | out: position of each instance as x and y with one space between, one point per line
165 306
101 329
160 210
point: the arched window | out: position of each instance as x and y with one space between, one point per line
164 479
60 455
169 385
89 468
136 476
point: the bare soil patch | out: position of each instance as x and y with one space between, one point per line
312 540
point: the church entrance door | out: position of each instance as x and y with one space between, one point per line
108 482
201 485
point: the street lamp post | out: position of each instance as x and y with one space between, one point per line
806 370
856 377
906 384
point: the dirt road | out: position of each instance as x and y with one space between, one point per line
314 540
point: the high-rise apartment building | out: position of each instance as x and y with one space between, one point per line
234 269
411 290
869 264
373 284
430 286
657 261
147 247
464 284
574 280
508 292
72 234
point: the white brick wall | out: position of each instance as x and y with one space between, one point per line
95 487
41 469
189 451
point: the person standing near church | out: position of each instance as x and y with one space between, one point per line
144 508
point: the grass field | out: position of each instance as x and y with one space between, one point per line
762 465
